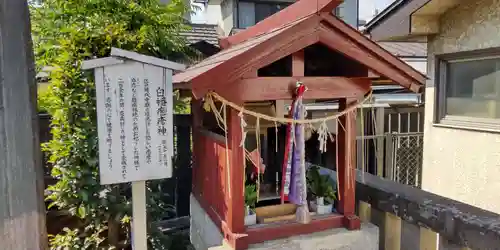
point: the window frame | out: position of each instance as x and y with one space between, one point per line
289 2
269 2
441 74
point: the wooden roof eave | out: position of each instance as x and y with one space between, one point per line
292 38
334 31
354 51
368 43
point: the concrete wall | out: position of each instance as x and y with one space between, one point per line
212 14
228 11
203 231
220 13
462 164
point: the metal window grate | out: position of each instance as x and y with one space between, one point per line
400 157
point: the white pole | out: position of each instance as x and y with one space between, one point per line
139 226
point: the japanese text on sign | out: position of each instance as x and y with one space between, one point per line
135 124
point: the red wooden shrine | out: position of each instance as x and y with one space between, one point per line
233 74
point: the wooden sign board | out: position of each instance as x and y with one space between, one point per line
135 125
135 116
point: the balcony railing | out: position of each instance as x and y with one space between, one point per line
410 218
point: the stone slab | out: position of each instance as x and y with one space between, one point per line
335 239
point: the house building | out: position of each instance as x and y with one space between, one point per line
461 125
230 15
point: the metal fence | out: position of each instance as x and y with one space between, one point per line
405 161
395 156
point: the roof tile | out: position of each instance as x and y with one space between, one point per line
201 32
405 49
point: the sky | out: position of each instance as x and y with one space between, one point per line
366 9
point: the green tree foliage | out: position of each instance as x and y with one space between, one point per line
66 32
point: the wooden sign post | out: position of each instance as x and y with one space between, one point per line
135 125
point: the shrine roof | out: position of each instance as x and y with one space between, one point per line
225 55
281 35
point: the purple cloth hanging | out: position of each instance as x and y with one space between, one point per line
298 194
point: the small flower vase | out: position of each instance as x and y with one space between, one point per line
321 208
320 201
250 217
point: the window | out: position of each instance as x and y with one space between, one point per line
246 14
468 90
263 10
250 13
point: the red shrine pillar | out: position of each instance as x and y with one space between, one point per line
346 166
235 218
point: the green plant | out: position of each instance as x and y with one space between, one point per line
320 185
66 32
250 195
42 100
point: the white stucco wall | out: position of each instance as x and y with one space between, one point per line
212 14
220 13
228 11
463 164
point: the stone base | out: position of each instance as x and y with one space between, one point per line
336 239
204 234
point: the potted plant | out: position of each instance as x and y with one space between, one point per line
250 202
321 188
